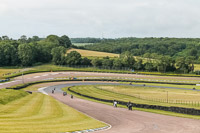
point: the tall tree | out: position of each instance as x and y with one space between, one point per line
73 58
107 63
117 63
139 65
65 41
58 55
127 59
53 39
26 54
5 38
23 39
8 54
182 65
85 61
96 62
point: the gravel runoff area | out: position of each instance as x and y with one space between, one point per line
125 121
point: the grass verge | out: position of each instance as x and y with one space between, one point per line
54 68
38 113
7 96
121 97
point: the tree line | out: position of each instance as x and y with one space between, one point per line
28 51
85 40
173 47
125 60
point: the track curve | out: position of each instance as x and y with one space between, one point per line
51 75
124 121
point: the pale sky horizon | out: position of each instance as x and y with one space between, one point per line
100 18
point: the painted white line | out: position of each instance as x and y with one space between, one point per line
49 79
41 90
45 75
54 73
36 77
13 81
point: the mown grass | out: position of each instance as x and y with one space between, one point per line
143 95
5 70
38 113
154 93
197 67
139 109
7 96
164 85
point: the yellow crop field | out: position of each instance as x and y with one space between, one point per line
89 53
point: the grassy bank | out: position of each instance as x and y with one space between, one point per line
97 91
7 96
40 113
143 95
166 84
6 70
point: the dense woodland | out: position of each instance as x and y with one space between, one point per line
150 47
161 54
85 40
28 51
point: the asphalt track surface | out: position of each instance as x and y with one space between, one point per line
52 75
125 121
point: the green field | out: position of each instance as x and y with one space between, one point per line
38 113
168 85
7 95
82 44
197 67
5 70
143 95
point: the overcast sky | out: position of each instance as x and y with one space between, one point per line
97 18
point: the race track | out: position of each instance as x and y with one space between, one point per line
52 75
121 120
125 121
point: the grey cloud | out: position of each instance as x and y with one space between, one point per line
113 18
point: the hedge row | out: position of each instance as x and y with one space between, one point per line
190 111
